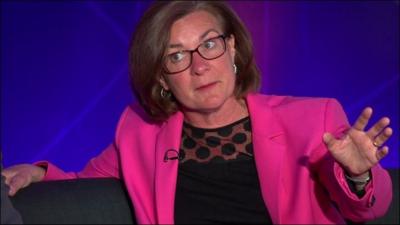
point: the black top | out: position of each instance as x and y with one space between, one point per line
217 178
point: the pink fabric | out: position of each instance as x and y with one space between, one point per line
294 166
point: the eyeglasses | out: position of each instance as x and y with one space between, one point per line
179 61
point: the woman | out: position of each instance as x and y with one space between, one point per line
203 147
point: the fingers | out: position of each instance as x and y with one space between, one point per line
16 183
382 153
329 140
363 119
383 137
7 174
378 127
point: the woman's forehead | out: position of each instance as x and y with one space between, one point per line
194 27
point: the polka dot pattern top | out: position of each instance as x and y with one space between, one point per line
221 144
217 179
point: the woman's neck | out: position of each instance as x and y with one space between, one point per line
229 112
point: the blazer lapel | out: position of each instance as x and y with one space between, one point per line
269 148
166 170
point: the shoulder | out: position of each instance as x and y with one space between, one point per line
134 120
293 104
135 112
300 111
302 120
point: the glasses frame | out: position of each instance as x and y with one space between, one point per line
191 54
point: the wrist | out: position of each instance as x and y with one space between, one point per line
359 180
362 175
39 174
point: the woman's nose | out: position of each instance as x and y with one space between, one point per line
199 64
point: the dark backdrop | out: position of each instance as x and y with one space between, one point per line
64 77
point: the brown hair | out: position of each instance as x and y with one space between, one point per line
150 42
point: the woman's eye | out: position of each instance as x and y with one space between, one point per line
176 57
209 44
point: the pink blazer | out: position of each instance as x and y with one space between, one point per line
298 177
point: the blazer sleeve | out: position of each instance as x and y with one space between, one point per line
377 198
104 165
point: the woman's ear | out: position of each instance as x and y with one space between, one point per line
163 83
231 46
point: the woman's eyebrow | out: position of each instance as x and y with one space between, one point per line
200 38
206 33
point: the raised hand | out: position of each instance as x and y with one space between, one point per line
358 150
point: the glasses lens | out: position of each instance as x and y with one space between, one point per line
212 48
177 61
180 61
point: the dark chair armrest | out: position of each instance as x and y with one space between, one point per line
79 201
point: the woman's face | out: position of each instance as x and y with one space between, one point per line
207 84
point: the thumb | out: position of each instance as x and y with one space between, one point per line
12 191
329 139
16 183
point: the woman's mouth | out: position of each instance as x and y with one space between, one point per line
206 86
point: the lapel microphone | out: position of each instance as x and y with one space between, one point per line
172 154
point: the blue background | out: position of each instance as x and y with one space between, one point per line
64 71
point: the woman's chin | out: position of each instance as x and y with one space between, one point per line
208 105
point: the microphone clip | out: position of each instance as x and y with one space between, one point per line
172 154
